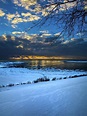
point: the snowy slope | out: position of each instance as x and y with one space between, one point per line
55 98
18 75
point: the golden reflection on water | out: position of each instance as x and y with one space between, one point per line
57 64
45 63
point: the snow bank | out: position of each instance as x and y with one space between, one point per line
55 98
19 75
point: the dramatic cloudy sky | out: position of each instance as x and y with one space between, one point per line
16 37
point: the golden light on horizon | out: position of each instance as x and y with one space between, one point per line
40 57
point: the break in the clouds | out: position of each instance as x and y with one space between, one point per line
38 45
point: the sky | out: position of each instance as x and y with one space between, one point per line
17 17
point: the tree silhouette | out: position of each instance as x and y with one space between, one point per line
69 15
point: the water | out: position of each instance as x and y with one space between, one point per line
29 70
43 64
58 64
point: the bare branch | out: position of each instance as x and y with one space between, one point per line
71 15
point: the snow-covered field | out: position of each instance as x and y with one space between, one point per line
54 98
65 97
19 75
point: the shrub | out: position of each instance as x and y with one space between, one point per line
46 79
17 84
83 75
23 83
60 78
75 76
10 85
70 76
0 86
36 81
65 78
41 80
53 79
3 85
28 82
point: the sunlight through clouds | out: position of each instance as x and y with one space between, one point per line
30 12
21 18
26 14
33 11
25 3
4 37
46 27
24 35
20 46
17 20
1 13
16 32
10 16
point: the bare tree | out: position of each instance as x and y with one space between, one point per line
69 15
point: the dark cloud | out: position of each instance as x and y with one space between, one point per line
52 46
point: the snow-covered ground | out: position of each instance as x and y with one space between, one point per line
19 75
54 98
66 97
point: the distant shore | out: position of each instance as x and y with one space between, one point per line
31 57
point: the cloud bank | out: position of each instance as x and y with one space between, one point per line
36 45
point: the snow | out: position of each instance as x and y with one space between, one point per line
7 64
66 97
19 75
54 98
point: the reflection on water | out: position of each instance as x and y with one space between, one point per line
45 63
58 64
37 64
